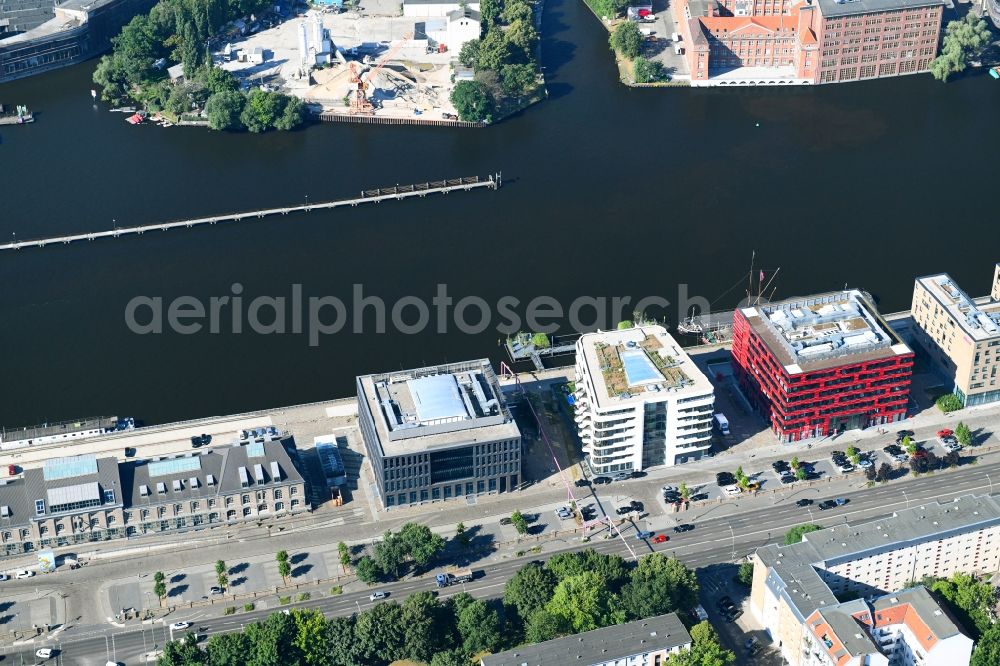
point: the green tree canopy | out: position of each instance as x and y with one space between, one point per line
528 590
379 634
745 573
312 638
543 626
494 50
705 649
658 585
227 649
794 535
429 626
971 599
963 434
518 79
478 626
627 40
421 544
987 652
344 649
964 40
184 652
272 642
583 602
224 110
648 71
472 102
367 569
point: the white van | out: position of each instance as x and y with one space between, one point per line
722 423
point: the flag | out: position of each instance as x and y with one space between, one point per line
762 276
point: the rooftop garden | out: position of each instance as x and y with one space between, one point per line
613 370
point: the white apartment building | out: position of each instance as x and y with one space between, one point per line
796 588
640 400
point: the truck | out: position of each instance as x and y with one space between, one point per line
722 423
453 576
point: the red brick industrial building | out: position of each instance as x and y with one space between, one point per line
820 365
772 42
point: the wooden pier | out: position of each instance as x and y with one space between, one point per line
397 192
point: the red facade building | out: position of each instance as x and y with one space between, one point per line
821 365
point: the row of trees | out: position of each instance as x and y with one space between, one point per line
504 61
180 30
571 593
626 40
413 545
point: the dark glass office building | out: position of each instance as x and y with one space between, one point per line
438 433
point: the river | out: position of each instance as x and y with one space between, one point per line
608 192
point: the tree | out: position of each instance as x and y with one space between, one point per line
344 650
627 40
871 472
472 102
224 109
469 54
909 445
745 573
529 590
854 454
918 465
964 40
478 627
218 80
795 534
963 434
261 110
801 474
428 626
284 566
227 649
159 585
514 10
522 38
971 599
684 491
453 657
489 11
949 402
648 71
220 574
494 51
380 635
795 462
952 459
517 80
184 652
344 553
420 543
705 649
987 652
884 473
540 341
658 585
608 8
461 535
312 638
582 602
519 522
293 114
625 324
367 570
272 642
390 553
741 478
543 626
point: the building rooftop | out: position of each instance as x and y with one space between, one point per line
620 641
207 473
61 483
437 407
637 365
792 570
978 318
840 632
834 8
824 331
917 609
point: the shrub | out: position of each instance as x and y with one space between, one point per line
304 596
336 589
949 403
248 607
229 610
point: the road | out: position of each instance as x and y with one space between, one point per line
714 540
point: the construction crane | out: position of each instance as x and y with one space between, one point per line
363 81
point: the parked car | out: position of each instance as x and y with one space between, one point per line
920 453
637 505
378 594
732 491
945 432
779 466
804 502
725 479
582 483
4 577
864 463
643 535
506 521
900 434
845 468
129 452
215 589
24 573
699 497
621 476
601 480
43 653
179 626
726 605
622 510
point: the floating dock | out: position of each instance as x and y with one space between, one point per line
397 192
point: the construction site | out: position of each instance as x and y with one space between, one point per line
361 64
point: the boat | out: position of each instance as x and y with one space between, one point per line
20 116
995 72
136 118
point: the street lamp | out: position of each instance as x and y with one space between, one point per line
905 496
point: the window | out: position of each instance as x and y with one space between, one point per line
109 496
295 502
280 506
293 491
195 506
39 507
277 493
246 512
246 499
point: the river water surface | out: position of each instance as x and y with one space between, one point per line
608 192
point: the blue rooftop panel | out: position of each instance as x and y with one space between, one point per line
68 468
638 368
174 466
437 398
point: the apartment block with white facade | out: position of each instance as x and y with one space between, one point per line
640 400
796 588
